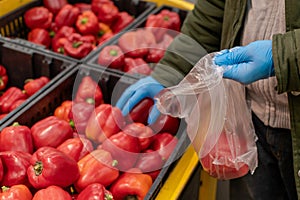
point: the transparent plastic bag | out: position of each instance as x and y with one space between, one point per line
218 119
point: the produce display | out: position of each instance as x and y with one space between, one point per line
138 49
85 148
76 29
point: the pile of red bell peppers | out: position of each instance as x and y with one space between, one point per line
137 49
74 29
11 97
86 150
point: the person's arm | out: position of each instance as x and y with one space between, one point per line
286 58
200 34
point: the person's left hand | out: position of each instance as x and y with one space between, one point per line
249 63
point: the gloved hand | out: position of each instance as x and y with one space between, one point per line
249 63
145 87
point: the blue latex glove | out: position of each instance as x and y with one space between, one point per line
145 87
249 63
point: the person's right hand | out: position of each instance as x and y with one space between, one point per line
145 87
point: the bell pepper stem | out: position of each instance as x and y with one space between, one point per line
4 188
84 20
113 52
131 197
38 168
108 197
77 44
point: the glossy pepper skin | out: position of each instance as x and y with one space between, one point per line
57 45
104 122
111 56
96 167
52 192
16 138
63 111
40 36
122 20
15 164
49 166
79 46
163 21
136 66
33 85
105 10
140 112
95 191
166 123
38 17
1 170
124 148
89 91
164 144
3 77
67 16
158 51
149 161
79 114
50 131
87 23
131 185
54 6
142 132
20 192
9 97
76 148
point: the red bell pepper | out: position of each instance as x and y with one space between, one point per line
20 192
54 6
124 148
122 20
1 170
38 17
89 91
9 97
136 66
104 33
104 122
220 161
142 132
149 161
162 22
63 111
104 38
131 185
80 114
67 16
3 77
166 123
2 116
158 51
95 191
50 131
16 138
140 112
136 44
164 144
62 33
83 6
111 56
76 148
87 23
79 46
33 85
50 166
16 104
52 192
40 36
105 11
58 45
96 167
15 164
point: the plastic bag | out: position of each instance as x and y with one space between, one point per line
218 119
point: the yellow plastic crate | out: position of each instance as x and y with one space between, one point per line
7 6
181 4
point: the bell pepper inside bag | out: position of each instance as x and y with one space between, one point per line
218 118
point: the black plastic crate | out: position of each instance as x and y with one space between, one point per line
12 24
112 86
92 58
23 63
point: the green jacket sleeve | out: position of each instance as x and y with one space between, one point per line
286 57
200 34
